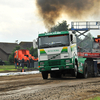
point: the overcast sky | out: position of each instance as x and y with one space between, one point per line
19 21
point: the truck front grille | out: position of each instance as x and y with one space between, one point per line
53 63
54 56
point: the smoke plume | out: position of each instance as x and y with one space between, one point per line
50 10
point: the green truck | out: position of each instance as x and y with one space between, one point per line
57 55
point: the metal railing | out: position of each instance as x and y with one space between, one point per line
85 25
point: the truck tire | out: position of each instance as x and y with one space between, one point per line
44 75
85 73
75 70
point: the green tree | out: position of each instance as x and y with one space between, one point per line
11 57
63 26
33 52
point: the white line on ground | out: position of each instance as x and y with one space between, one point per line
19 73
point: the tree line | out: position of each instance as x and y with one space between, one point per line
85 44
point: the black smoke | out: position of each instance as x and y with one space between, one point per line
50 10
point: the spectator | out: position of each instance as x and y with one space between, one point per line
16 61
30 62
27 62
22 62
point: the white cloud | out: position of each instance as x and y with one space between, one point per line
18 20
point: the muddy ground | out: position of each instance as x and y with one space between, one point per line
33 87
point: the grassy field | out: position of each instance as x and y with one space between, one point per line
7 68
11 68
95 98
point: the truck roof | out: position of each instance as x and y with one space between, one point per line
54 33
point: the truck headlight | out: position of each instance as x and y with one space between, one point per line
67 61
41 63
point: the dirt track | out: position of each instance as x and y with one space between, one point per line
33 87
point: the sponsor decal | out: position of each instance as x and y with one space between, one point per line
65 49
53 33
53 50
42 51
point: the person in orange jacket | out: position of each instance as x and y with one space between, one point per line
27 62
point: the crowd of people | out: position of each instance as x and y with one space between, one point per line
29 63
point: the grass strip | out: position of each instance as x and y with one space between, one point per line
12 68
95 98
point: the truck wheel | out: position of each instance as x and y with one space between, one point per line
76 70
44 75
85 73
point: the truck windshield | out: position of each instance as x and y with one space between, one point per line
53 41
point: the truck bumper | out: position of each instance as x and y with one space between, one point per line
56 68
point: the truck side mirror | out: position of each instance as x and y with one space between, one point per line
71 38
